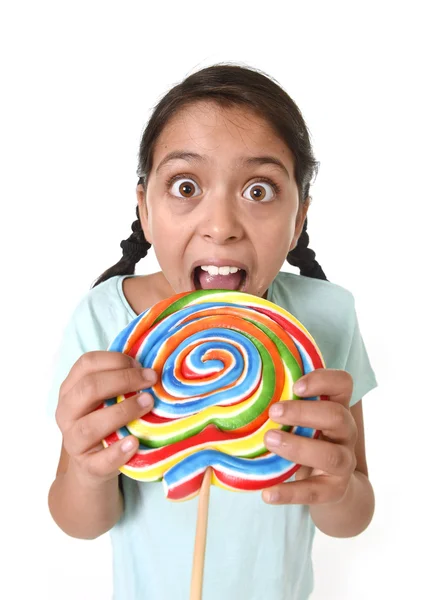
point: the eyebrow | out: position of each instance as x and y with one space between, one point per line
250 161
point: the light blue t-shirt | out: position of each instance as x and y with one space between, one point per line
253 550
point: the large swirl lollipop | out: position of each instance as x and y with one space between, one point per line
222 359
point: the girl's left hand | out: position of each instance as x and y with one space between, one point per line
329 461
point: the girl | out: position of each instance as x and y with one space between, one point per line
225 166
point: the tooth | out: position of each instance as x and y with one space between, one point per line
213 270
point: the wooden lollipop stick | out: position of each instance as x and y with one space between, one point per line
201 538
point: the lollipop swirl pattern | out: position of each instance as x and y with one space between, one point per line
222 359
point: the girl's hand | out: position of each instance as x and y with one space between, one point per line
328 462
95 377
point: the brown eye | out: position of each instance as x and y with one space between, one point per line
259 191
185 188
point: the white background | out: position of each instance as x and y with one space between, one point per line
78 81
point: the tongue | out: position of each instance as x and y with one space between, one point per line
220 282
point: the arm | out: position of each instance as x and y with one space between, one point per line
81 509
85 499
333 479
353 513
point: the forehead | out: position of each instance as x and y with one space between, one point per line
206 127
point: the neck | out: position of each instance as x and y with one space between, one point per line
165 286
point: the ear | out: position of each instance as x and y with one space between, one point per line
143 211
300 220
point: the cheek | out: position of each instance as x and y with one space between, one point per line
169 237
160 224
275 237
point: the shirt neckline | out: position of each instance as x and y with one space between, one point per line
132 313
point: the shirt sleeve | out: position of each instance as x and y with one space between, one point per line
82 334
358 365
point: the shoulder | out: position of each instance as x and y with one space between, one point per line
104 297
311 294
94 323
326 310
101 313
110 306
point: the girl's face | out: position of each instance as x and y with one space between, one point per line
221 193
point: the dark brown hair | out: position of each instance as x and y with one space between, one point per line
229 85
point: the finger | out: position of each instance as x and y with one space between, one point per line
92 362
314 490
318 454
94 388
337 385
331 418
87 432
106 462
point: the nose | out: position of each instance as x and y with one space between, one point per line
220 222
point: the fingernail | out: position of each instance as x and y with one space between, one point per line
127 445
299 387
271 496
276 410
273 438
145 400
149 376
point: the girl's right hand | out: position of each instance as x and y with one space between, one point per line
94 378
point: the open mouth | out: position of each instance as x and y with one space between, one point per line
203 280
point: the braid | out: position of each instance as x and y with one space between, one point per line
304 257
134 248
